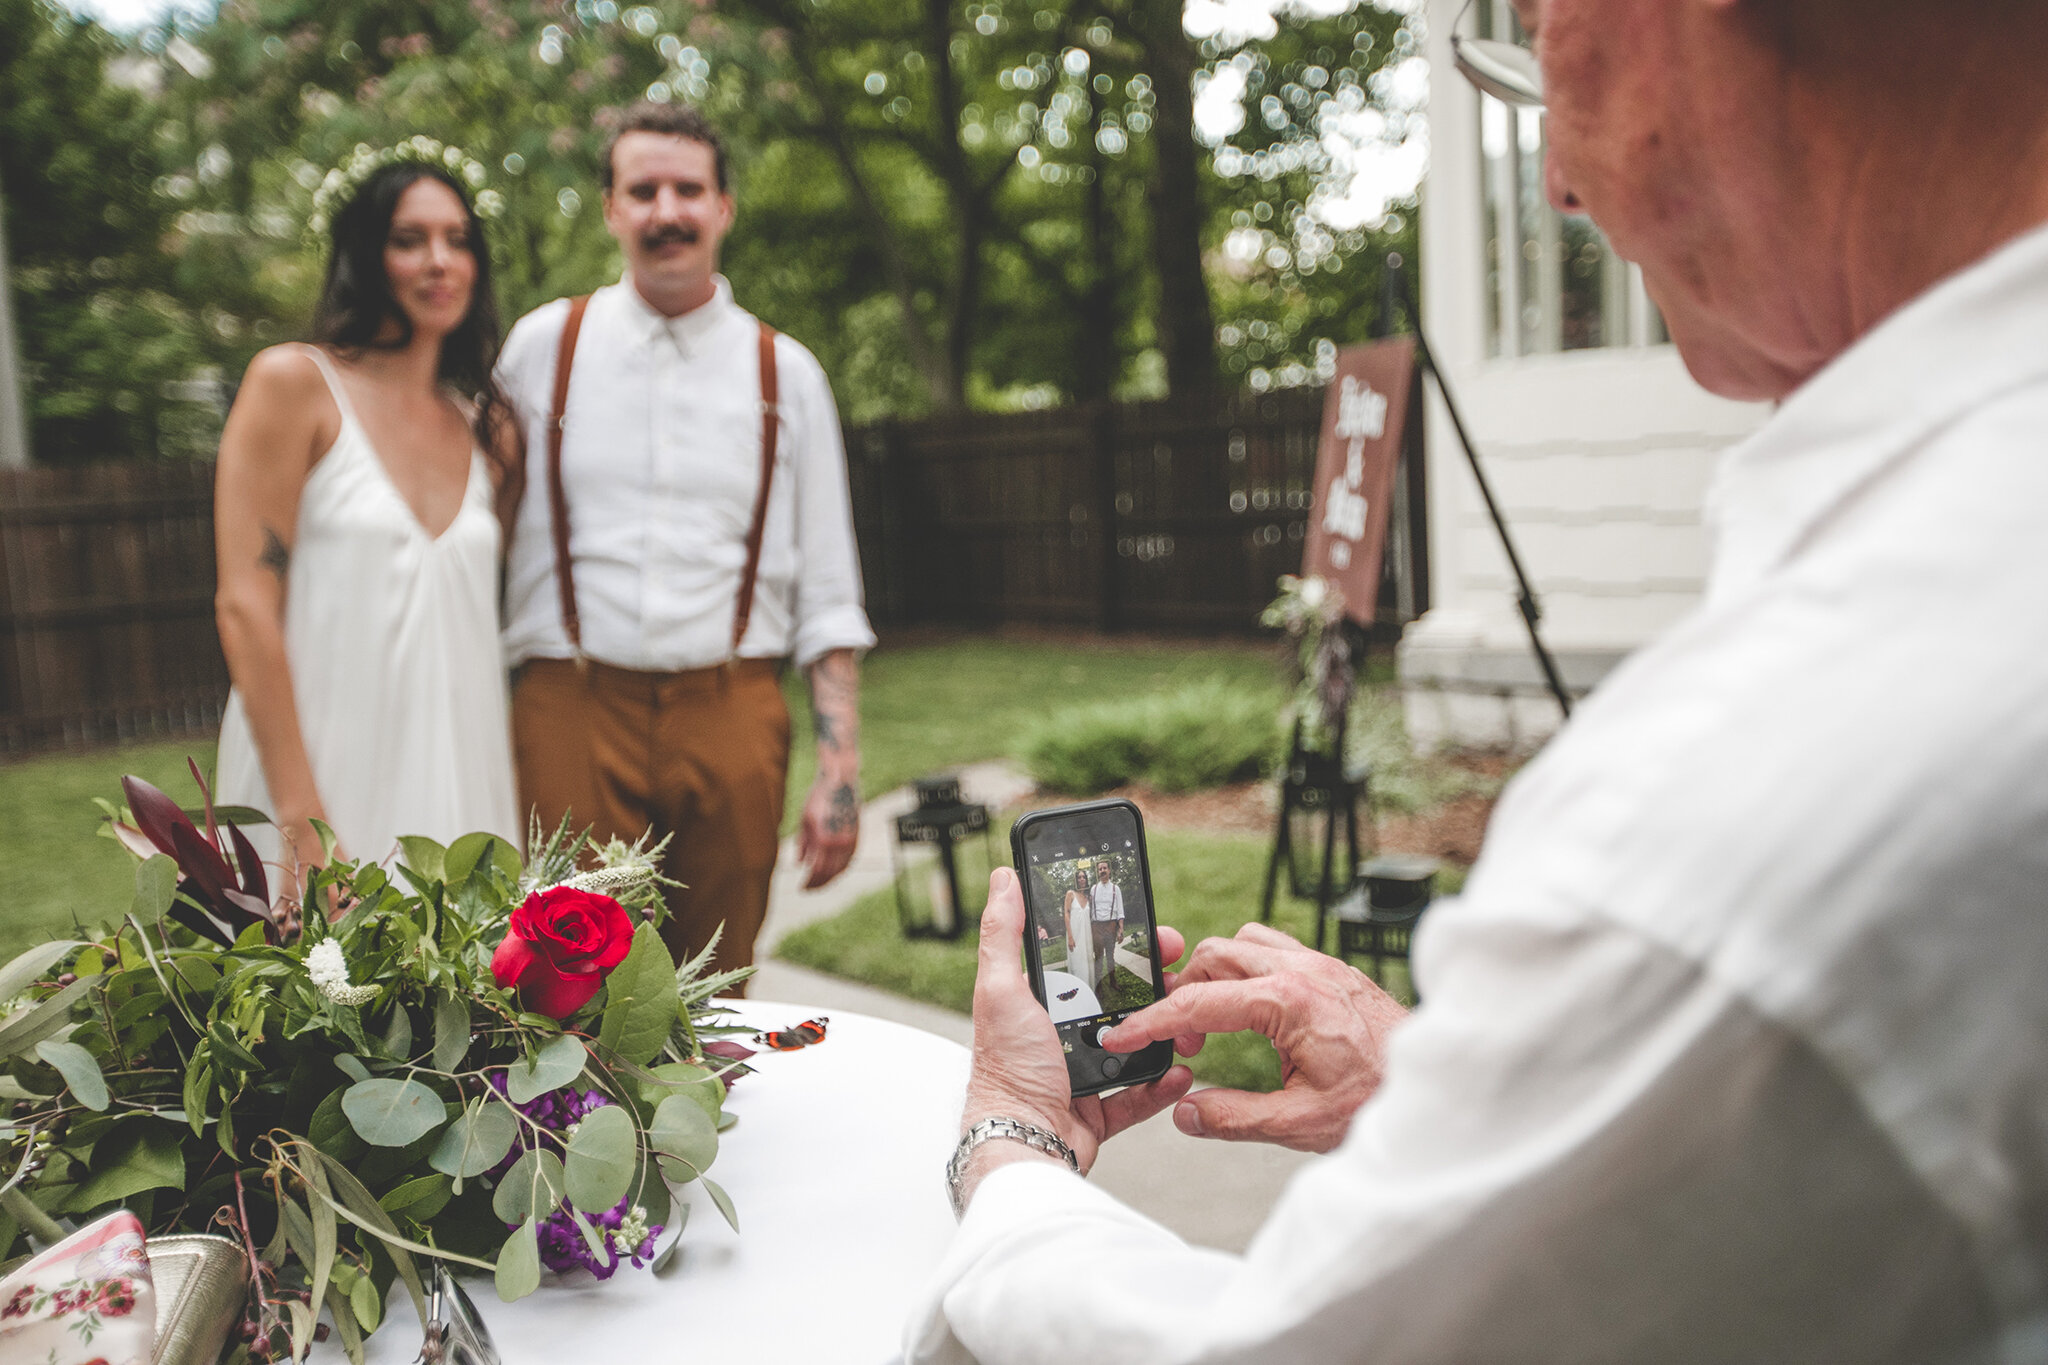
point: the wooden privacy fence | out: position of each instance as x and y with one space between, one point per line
106 604
1168 516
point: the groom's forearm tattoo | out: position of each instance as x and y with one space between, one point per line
276 556
835 710
844 816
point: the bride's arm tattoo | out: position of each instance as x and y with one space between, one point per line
276 556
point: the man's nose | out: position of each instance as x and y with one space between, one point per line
670 205
1554 187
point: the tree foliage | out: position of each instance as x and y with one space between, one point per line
953 202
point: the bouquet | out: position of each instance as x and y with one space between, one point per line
462 1056
1311 611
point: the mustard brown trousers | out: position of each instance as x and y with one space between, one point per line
701 755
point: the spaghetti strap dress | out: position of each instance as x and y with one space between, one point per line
392 636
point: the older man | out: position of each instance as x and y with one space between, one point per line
1733 1049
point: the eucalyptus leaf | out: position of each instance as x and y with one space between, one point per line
533 1188
451 1031
398 1033
519 1263
351 1066
592 1238
156 886
322 1209
601 1159
427 859
640 997
553 1067
722 1199
419 1199
42 1021
367 1303
674 1232
23 971
388 1112
80 1070
684 1078
682 1130
477 1140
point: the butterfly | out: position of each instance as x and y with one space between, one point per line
790 1039
1069 995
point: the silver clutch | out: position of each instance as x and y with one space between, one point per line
202 1284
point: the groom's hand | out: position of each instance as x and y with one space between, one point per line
1020 1071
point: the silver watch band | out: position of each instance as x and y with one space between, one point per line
1031 1135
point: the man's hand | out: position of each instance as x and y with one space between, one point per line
831 821
1328 1020
830 828
1019 1070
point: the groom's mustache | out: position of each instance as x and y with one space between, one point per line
676 234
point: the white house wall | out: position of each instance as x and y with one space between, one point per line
1600 460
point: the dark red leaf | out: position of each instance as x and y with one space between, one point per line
202 864
205 800
156 814
254 880
201 923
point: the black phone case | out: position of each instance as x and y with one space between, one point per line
1084 1063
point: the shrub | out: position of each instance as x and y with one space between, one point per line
1200 735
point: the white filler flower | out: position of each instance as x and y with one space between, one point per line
329 971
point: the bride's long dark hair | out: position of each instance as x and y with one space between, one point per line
356 304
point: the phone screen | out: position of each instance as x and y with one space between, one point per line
1088 893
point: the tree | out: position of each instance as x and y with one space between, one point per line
109 349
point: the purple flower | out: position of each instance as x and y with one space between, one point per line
623 1229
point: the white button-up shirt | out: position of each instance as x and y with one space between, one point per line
1735 1047
1108 899
661 463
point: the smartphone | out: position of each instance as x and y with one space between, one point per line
1091 946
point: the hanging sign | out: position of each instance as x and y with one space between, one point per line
1365 412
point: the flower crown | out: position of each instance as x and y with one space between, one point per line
340 184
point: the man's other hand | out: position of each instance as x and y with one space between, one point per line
1019 1069
829 831
1328 1020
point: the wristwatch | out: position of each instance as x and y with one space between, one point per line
1017 1131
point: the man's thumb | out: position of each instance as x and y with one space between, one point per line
1227 1115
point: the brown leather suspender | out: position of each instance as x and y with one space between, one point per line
558 503
770 413
558 508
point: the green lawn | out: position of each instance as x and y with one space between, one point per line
1205 885
53 866
931 706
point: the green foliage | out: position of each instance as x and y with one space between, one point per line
1198 735
967 204
337 1098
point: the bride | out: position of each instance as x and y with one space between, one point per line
1079 912
356 537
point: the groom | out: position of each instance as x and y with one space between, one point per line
686 529
1106 903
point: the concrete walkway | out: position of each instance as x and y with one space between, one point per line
1212 1193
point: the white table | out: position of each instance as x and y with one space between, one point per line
836 1166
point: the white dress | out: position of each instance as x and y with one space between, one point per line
1080 938
392 635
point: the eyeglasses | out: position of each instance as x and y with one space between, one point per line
456 1334
1506 71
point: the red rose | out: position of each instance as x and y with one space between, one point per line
560 946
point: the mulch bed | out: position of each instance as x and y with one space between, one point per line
1452 832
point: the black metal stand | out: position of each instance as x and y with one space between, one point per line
1525 596
1317 783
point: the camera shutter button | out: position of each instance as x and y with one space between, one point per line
1096 1036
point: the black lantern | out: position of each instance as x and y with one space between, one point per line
1319 799
943 859
1378 919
